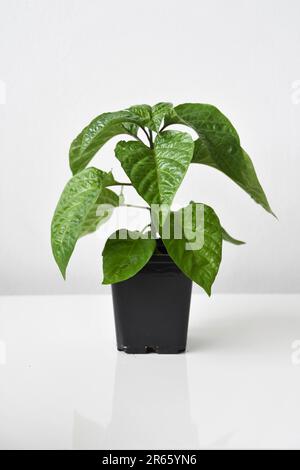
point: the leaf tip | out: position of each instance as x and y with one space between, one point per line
62 268
63 272
207 290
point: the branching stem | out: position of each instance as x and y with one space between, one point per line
148 136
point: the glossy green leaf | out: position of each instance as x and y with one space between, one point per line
74 206
197 248
102 129
125 255
100 212
219 147
131 128
141 114
157 173
158 113
230 239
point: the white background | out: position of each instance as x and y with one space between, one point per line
64 386
62 62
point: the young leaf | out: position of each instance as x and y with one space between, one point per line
157 173
158 113
73 208
198 252
141 113
125 255
230 239
219 147
103 128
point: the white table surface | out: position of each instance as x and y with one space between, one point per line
63 385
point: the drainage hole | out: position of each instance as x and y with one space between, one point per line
150 349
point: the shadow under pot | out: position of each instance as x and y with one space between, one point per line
151 309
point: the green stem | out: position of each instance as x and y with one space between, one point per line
146 226
137 138
147 135
151 139
117 183
163 127
136 206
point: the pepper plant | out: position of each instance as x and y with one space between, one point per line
156 169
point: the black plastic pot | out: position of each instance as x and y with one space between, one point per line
152 308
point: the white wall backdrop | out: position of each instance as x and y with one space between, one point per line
62 62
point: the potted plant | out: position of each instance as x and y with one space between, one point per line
152 271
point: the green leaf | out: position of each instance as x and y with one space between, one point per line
198 252
142 114
158 113
157 173
131 128
230 239
108 179
125 255
74 206
218 146
102 129
100 212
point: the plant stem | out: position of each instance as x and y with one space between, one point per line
136 206
117 183
148 136
137 138
146 226
151 139
163 127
